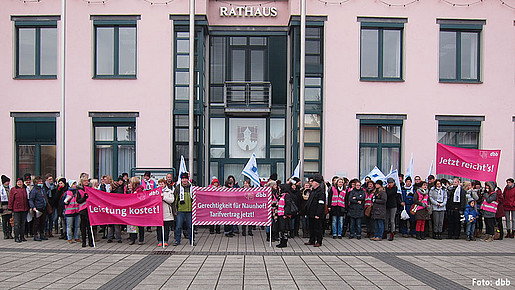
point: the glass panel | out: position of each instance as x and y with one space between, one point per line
48 51
126 158
217 95
313 94
264 170
127 50
27 52
104 133
254 40
182 77
469 45
313 32
26 159
313 81
104 159
391 134
312 60
183 61
311 167
217 132
126 133
181 134
390 156
217 152
183 45
181 120
238 41
468 138
238 65
369 52
367 160
311 153
182 93
183 35
312 46
392 53
312 120
368 134
312 136
281 168
48 159
213 170
105 51
247 136
447 138
234 170
447 55
257 65
277 132
218 60
277 153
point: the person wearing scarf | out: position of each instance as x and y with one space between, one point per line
183 204
456 202
19 204
438 197
5 190
421 199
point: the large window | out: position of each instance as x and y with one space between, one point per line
36 49
380 145
381 51
459 52
115 49
115 147
459 134
35 146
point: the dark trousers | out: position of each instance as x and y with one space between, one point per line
284 226
20 217
212 229
244 229
490 223
498 223
453 222
167 225
6 224
38 225
85 230
141 233
315 230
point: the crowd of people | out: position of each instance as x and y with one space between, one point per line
40 207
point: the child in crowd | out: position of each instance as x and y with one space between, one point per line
471 215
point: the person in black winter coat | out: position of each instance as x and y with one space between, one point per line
356 209
393 198
456 202
316 211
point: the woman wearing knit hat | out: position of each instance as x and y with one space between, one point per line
19 204
6 213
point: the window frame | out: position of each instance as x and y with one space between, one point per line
114 143
381 27
37 25
459 127
459 29
379 145
115 24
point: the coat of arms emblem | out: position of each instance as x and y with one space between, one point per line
247 137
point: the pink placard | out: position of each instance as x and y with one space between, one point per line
475 164
232 206
138 209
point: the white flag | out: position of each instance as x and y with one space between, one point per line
296 172
375 175
182 168
395 175
251 170
409 171
430 169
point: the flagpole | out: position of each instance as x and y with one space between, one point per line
302 85
92 236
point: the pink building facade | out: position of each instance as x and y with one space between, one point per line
384 80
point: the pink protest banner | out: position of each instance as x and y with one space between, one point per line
233 206
475 164
139 209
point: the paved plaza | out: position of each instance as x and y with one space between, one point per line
218 262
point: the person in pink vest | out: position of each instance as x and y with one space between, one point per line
369 221
71 212
337 207
85 229
421 199
489 209
148 183
509 207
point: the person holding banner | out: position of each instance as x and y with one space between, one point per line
168 214
71 212
134 186
183 202
82 196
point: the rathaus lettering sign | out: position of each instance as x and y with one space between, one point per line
248 11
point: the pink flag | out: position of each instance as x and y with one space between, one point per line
233 206
475 164
139 209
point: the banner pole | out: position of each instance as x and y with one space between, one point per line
192 230
270 234
92 236
163 233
